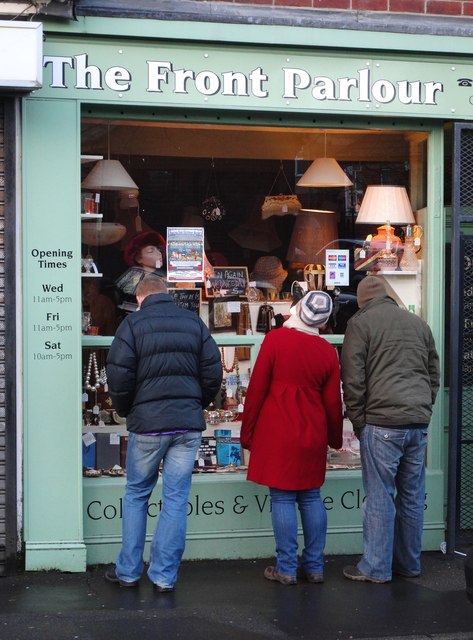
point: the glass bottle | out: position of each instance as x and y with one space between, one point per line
409 259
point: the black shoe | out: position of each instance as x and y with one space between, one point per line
111 576
353 573
161 589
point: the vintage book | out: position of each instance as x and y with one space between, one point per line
228 447
108 450
207 454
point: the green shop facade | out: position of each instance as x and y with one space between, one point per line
193 102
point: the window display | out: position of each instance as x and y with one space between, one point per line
272 231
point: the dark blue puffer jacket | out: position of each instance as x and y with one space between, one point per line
163 368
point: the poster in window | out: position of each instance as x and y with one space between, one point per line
185 254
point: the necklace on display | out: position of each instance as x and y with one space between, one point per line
224 364
92 363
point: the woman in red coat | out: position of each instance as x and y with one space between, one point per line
293 410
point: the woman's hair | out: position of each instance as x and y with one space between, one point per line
149 285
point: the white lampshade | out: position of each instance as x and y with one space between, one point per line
382 203
108 175
324 172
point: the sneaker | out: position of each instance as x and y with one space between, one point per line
270 573
353 573
315 578
160 589
111 576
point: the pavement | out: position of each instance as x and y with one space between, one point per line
230 600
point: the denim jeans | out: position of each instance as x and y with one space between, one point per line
314 527
393 470
144 454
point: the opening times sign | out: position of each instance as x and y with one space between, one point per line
51 310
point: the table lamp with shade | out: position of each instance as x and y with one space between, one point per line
389 205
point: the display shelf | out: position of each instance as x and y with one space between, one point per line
91 216
97 341
108 428
404 286
396 272
86 158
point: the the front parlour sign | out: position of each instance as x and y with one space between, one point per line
230 77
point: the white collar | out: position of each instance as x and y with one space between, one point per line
294 322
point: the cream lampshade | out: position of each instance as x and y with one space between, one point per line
108 175
385 203
324 172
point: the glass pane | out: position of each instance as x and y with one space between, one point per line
242 185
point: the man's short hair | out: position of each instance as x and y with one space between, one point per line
149 285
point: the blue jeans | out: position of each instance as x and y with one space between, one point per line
393 470
144 455
314 527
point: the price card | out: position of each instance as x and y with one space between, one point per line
88 439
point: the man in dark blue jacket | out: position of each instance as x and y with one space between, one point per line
163 369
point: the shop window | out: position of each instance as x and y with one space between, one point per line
240 184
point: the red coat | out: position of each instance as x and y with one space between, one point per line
293 410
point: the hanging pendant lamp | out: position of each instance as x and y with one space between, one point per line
108 175
324 172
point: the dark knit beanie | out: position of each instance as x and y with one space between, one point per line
369 288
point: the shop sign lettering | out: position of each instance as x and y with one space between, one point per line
239 505
291 83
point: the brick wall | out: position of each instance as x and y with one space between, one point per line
454 8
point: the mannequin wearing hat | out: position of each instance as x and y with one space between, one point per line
145 253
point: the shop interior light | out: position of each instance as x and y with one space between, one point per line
324 172
312 231
384 204
109 175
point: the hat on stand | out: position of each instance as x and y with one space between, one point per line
269 273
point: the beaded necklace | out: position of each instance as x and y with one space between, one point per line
92 363
224 365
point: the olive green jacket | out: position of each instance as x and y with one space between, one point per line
389 366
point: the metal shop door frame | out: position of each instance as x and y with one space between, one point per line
460 468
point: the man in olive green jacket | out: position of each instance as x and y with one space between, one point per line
390 374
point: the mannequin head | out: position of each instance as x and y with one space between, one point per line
146 250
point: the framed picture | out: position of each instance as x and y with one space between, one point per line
187 298
221 317
227 282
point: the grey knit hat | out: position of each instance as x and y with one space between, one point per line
314 308
369 288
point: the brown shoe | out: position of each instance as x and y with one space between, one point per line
270 573
315 578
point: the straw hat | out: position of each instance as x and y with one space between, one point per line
269 273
